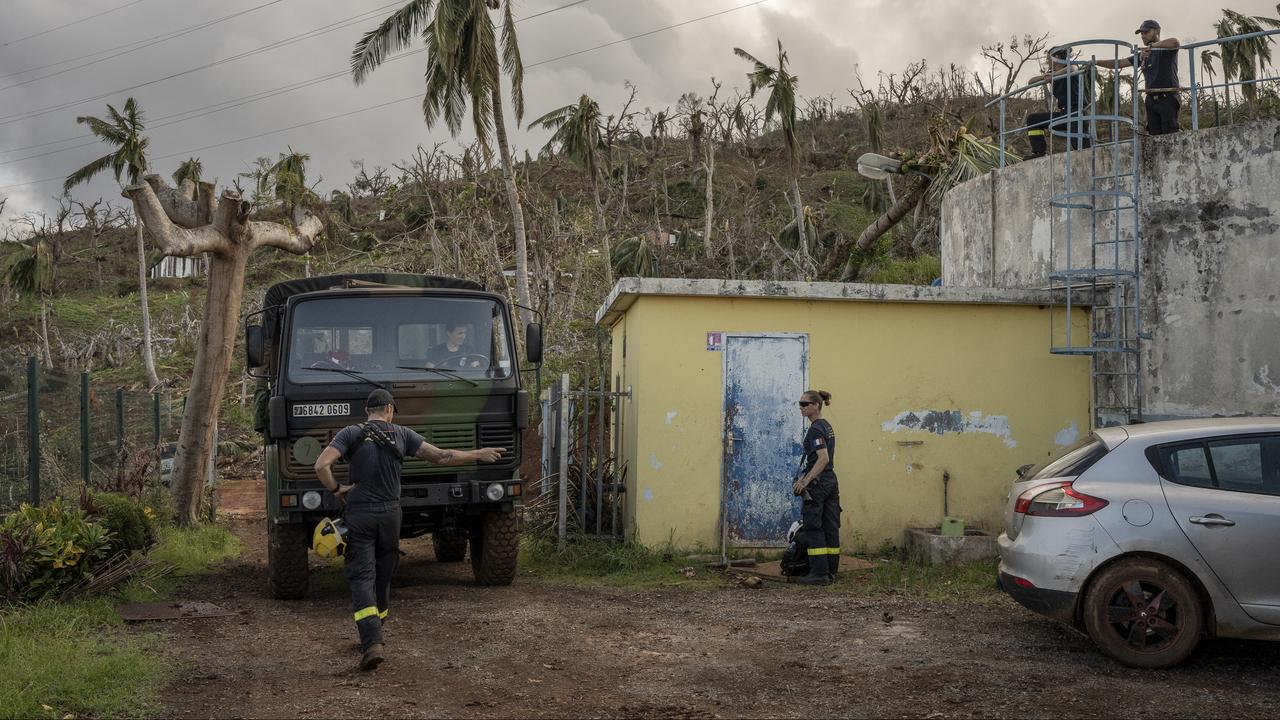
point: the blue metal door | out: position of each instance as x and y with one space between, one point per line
763 434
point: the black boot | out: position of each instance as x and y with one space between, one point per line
833 566
817 572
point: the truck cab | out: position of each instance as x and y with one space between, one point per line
445 349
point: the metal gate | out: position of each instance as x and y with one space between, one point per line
583 473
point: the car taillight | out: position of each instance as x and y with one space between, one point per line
1057 500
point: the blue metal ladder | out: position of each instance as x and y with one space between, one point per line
1096 191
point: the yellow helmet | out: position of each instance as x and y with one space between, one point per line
330 538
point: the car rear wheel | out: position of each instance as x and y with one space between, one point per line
1144 613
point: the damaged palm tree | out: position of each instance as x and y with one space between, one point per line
187 222
956 156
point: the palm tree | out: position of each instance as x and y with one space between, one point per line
576 130
955 157
1207 58
29 269
289 176
465 61
782 87
1242 59
123 131
189 169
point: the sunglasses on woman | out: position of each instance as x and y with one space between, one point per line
805 403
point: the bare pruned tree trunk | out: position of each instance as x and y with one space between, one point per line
148 357
186 223
709 209
517 213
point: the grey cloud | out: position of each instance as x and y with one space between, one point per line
824 38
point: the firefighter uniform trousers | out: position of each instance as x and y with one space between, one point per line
373 552
820 524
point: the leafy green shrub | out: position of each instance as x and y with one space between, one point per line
48 548
132 526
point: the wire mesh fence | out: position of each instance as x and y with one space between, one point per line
59 432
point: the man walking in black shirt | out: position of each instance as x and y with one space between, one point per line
1158 61
375 451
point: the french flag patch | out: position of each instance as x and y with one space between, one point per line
818 442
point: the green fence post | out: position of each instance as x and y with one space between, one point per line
119 424
33 429
84 427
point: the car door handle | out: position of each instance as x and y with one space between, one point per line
1212 520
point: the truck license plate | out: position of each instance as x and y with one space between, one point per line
321 409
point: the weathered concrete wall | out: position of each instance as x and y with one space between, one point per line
1211 244
1210 217
999 230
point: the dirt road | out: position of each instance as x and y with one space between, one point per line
545 650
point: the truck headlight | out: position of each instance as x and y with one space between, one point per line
311 500
494 492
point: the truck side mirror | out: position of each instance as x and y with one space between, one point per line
1023 469
533 342
255 342
277 424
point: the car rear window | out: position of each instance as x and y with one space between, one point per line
1074 461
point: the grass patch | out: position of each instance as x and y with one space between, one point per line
76 658
612 564
974 582
920 270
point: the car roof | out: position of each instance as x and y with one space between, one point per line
1177 430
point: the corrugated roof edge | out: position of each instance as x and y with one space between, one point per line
626 291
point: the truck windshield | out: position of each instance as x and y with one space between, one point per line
401 339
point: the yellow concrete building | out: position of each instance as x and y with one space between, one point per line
926 381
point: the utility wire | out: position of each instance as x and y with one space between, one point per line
17 117
415 96
15 41
150 42
235 102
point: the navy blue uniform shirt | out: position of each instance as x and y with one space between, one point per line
820 436
374 470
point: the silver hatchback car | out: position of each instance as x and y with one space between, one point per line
1149 537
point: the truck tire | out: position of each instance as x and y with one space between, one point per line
450 547
287 546
495 546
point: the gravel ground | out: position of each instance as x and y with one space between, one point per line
540 649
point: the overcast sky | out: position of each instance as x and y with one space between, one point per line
825 40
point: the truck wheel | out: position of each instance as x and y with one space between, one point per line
1143 613
450 547
287 547
495 545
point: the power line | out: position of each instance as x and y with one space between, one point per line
7 43
415 96
145 44
647 34
18 117
235 102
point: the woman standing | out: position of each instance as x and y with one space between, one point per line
820 515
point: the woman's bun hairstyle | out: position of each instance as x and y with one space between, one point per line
821 395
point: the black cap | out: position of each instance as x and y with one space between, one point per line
379 399
1147 25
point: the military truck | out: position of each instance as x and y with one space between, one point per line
444 347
